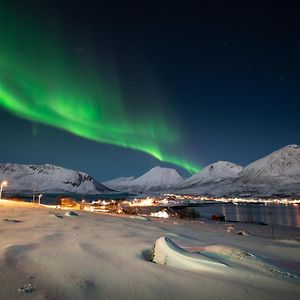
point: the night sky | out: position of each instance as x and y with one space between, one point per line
110 87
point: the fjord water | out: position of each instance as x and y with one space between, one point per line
288 215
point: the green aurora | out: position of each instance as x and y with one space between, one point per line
42 82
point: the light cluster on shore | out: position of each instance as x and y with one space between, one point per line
237 199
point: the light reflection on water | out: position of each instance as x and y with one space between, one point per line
254 213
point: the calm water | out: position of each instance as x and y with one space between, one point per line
254 213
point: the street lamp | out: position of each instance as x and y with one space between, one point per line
3 183
40 197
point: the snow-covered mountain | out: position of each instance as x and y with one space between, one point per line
280 167
48 178
277 174
214 173
156 179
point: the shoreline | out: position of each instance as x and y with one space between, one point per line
251 228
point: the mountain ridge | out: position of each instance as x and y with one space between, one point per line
48 178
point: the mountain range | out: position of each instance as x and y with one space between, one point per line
277 174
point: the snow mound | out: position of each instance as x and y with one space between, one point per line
166 252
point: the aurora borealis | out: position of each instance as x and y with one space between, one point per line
40 82
114 88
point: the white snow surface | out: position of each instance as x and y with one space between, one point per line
47 178
155 179
214 173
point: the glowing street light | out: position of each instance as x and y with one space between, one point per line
3 183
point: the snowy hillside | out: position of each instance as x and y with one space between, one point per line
154 180
48 178
281 166
213 173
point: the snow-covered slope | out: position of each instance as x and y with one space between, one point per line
48 178
281 166
156 179
277 174
117 182
214 173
